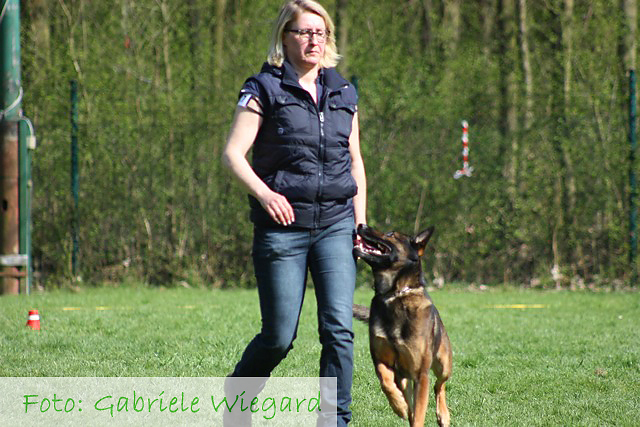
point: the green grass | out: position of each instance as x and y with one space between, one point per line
573 362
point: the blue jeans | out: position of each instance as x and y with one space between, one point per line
281 259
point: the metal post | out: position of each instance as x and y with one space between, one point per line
633 194
74 176
27 144
10 59
10 102
356 83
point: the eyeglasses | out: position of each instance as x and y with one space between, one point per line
321 35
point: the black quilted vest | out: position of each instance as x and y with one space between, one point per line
302 148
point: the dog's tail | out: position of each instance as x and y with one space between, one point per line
361 312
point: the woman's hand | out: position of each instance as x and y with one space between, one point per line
243 132
278 207
357 240
244 129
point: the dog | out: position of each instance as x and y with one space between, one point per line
406 335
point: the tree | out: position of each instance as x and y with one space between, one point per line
542 89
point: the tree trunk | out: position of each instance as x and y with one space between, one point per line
567 43
195 43
218 61
426 30
168 78
630 9
565 191
488 25
40 33
508 122
451 25
527 73
342 29
507 53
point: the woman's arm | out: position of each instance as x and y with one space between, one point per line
244 129
358 173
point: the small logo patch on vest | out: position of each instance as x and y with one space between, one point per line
244 100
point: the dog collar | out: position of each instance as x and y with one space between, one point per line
402 292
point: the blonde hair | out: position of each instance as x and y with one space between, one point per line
290 11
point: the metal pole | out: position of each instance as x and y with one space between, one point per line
10 59
10 102
74 176
356 83
633 194
27 144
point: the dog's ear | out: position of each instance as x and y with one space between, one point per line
419 242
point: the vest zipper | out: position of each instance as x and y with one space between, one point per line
321 149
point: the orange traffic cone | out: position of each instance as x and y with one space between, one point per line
33 321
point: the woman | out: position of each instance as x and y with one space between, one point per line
307 190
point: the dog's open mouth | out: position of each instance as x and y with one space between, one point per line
368 246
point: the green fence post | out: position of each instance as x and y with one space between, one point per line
74 176
10 105
633 194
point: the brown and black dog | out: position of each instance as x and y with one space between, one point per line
406 336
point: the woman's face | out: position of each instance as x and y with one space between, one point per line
302 51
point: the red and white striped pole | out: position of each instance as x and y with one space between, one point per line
466 169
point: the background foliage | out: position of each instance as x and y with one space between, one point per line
543 85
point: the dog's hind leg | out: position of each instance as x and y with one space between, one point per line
442 369
442 412
407 387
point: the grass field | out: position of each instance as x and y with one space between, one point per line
521 357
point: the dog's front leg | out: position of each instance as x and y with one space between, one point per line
384 361
420 399
395 396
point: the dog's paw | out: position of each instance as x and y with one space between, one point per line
401 409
